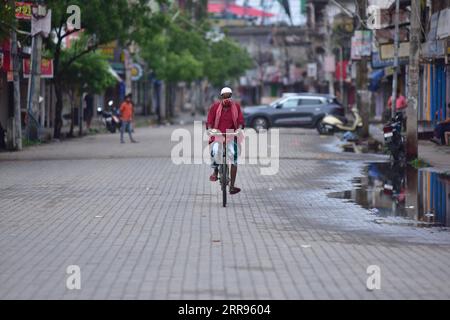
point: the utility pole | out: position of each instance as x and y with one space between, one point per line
413 82
362 98
39 11
329 54
341 80
80 115
17 132
36 77
396 44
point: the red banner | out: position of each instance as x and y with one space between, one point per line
341 65
5 52
23 10
46 68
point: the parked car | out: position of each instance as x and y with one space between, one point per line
293 110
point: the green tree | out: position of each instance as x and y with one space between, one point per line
182 53
227 61
104 21
7 19
90 73
176 54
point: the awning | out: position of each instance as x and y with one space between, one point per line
436 44
375 79
114 74
237 10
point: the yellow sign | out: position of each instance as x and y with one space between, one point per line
107 50
387 51
136 72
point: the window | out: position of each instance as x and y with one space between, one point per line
291 103
334 101
310 102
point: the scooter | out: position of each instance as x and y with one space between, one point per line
331 123
111 118
394 140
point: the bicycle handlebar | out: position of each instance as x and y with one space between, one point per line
224 134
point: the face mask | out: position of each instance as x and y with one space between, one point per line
226 102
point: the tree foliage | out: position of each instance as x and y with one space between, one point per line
183 53
7 19
104 21
89 73
175 54
227 61
107 19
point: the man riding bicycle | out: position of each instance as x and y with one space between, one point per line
225 115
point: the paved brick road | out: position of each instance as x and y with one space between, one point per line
140 227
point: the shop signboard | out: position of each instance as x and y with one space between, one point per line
46 68
312 70
443 26
435 46
23 10
388 59
136 72
361 44
387 51
5 52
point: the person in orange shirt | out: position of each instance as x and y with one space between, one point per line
401 103
126 116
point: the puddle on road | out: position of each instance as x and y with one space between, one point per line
402 195
353 147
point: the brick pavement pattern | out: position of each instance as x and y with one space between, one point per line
141 227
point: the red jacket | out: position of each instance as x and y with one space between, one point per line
224 120
226 117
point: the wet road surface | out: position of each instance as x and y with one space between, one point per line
141 227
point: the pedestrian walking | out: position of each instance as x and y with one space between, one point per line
126 116
89 110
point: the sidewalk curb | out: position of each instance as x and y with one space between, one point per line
437 167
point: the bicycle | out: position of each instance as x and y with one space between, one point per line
223 167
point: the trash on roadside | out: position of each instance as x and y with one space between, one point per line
349 136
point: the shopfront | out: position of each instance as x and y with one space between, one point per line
435 70
5 90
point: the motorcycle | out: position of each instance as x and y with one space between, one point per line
110 119
332 123
394 140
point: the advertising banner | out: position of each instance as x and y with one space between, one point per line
46 68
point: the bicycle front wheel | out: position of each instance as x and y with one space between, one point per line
224 184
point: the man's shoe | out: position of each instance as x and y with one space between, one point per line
134 141
122 141
234 190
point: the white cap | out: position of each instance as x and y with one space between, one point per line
225 90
